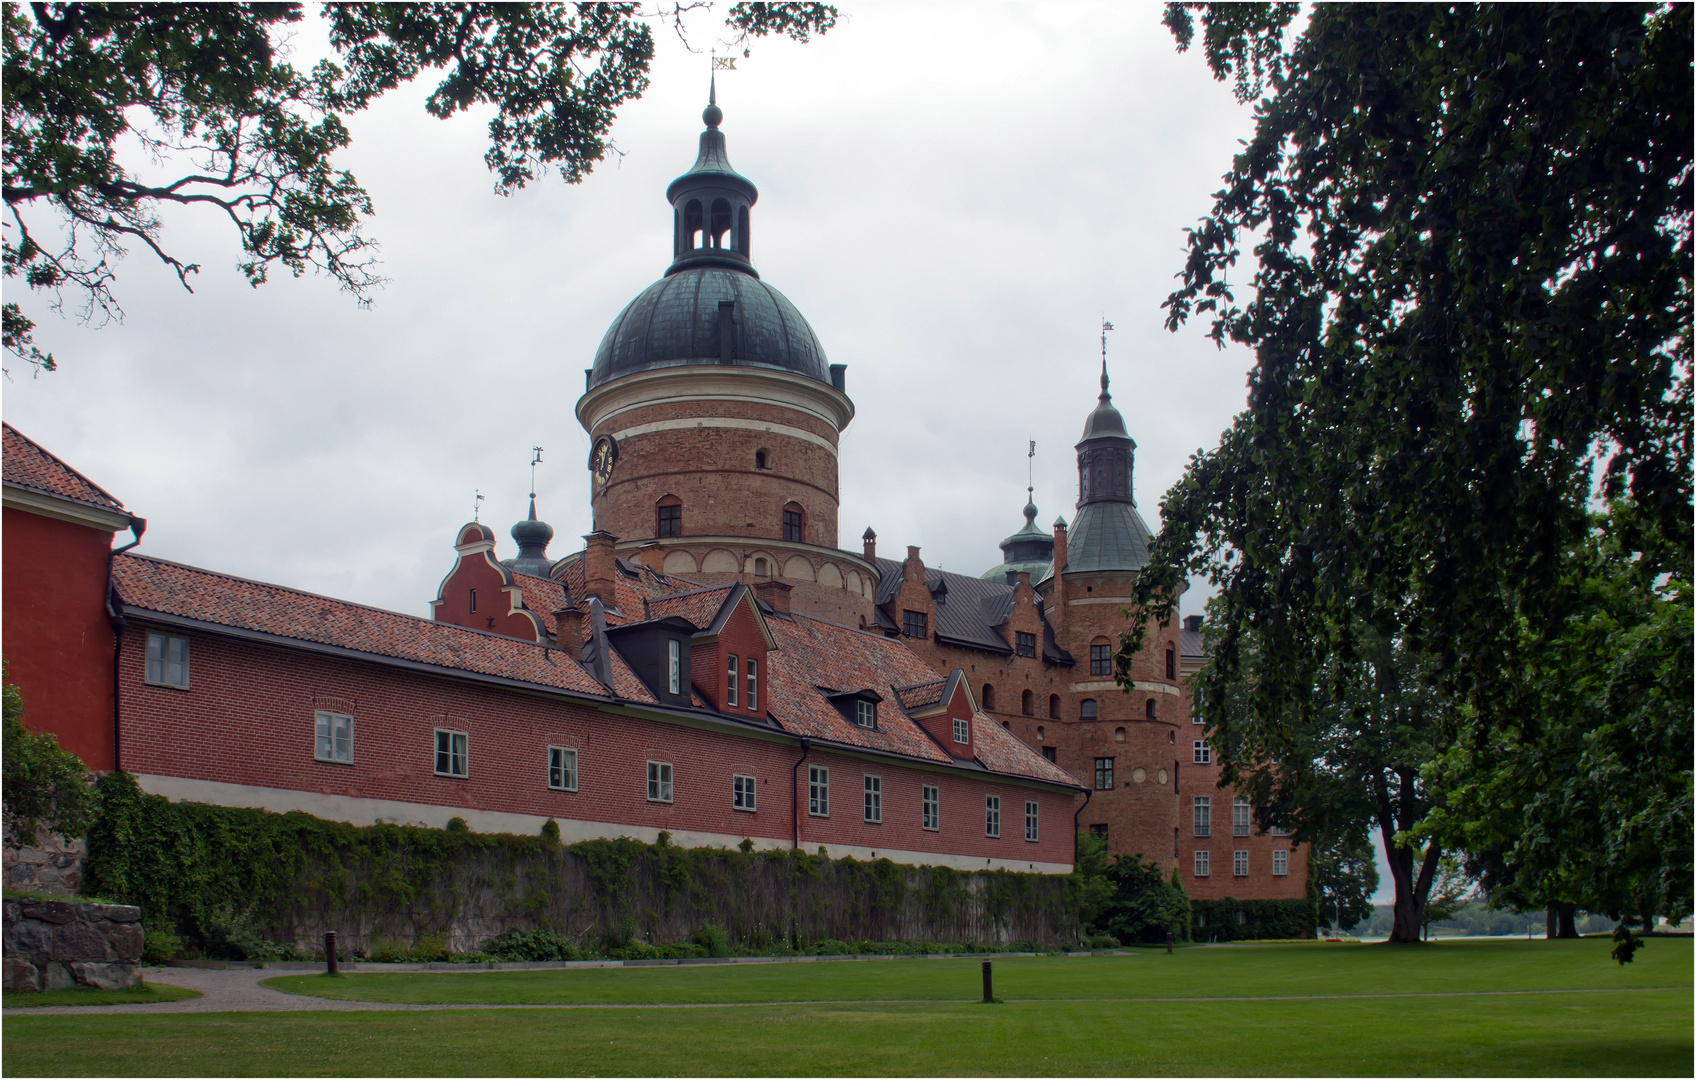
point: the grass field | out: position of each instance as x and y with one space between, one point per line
83 995
1273 1010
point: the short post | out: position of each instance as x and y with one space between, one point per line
988 985
330 952
1168 943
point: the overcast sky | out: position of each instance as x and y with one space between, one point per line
954 195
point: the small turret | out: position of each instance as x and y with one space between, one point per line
532 537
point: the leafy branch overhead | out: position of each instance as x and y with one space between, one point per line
113 111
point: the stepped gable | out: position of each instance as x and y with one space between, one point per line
975 607
219 600
26 464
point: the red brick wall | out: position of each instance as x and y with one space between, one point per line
1259 883
709 663
58 641
248 719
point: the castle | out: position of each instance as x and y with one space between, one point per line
711 664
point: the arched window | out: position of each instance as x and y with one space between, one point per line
1054 706
794 523
1039 733
762 459
1151 710
1027 703
1100 657
1086 709
1171 664
692 224
1118 734
742 230
988 696
762 568
721 223
668 516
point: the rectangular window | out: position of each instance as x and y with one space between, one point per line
334 737
1239 816
1201 867
562 768
1201 812
167 660
874 798
451 756
734 673
865 713
1279 830
671 520
1203 753
674 666
992 816
1051 753
913 624
792 526
659 781
1104 774
1030 822
1195 717
744 795
1101 659
818 791
962 730
931 800
1024 644
753 686
1280 863
473 601
1239 863
1099 829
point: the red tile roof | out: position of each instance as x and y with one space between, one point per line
28 465
999 750
629 592
925 693
169 588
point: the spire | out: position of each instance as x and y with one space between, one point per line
532 534
1105 396
712 115
710 203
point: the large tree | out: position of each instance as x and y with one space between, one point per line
1470 311
115 110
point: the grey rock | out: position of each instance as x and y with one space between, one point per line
20 974
20 874
81 941
33 941
125 940
53 911
107 976
57 977
123 912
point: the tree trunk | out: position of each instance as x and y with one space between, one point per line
1568 924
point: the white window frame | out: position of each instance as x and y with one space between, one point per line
735 672
1201 815
157 665
660 777
1280 863
818 791
1031 811
1240 816
562 766
865 712
874 798
1279 830
962 730
744 793
1201 753
992 816
930 807
674 666
753 685
324 724
1239 863
457 743
1203 866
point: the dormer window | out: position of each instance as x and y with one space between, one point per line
962 730
730 689
865 713
674 666
913 624
1024 644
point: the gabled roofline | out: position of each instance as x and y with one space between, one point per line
51 504
738 593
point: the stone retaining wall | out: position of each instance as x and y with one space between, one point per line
53 865
55 945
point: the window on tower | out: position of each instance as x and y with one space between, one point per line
669 517
793 522
1100 657
1086 709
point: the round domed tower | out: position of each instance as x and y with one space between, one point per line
715 417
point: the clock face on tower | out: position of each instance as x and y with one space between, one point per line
601 459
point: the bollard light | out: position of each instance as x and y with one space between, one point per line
330 952
988 985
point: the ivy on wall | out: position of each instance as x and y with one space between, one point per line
1251 920
230 880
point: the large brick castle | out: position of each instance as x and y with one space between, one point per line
711 664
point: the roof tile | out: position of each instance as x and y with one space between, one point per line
28 465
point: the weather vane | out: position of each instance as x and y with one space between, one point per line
1030 475
477 507
1105 326
535 461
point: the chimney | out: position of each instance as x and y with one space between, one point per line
1057 586
1059 545
569 631
599 566
1192 623
869 539
775 594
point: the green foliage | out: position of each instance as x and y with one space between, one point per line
1089 887
158 945
113 111
711 937
538 944
550 832
1252 920
1626 945
457 825
1244 39
44 786
1144 906
1342 878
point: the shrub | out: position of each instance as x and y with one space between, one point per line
1144 906
45 785
711 937
1253 920
457 824
388 952
550 832
530 945
1103 941
159 945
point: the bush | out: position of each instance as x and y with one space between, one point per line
45 786
159 945
1253 920
1144 906
711 937
1103 941
550 832
388 952
457 824
530 945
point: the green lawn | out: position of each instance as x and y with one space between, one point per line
83 995
1613 1025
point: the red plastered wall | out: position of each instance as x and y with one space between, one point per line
494 606
58 642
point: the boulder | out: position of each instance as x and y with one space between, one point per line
20 974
